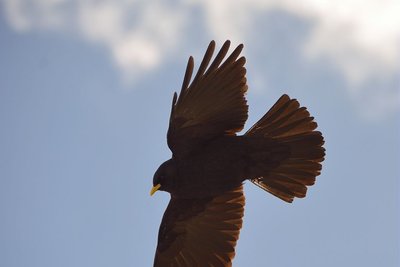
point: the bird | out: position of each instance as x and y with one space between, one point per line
281 153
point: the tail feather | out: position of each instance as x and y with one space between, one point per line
287 127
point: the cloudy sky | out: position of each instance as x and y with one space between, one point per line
85 91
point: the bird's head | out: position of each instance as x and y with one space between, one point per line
164 177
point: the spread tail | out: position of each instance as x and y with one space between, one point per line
287 150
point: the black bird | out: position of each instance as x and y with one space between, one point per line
281 154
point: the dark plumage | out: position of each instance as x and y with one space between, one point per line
281 154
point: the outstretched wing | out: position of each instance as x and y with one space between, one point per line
212 105
200 232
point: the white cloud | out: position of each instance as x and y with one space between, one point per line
362 38
138 34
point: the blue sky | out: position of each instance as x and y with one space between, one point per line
85 92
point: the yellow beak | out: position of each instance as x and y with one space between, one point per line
154 189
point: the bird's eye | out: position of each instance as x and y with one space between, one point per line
158 179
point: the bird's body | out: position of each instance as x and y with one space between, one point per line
218 166
281 154
222 164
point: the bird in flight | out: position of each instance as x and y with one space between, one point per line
281 153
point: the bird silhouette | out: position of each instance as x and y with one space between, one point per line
281 153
